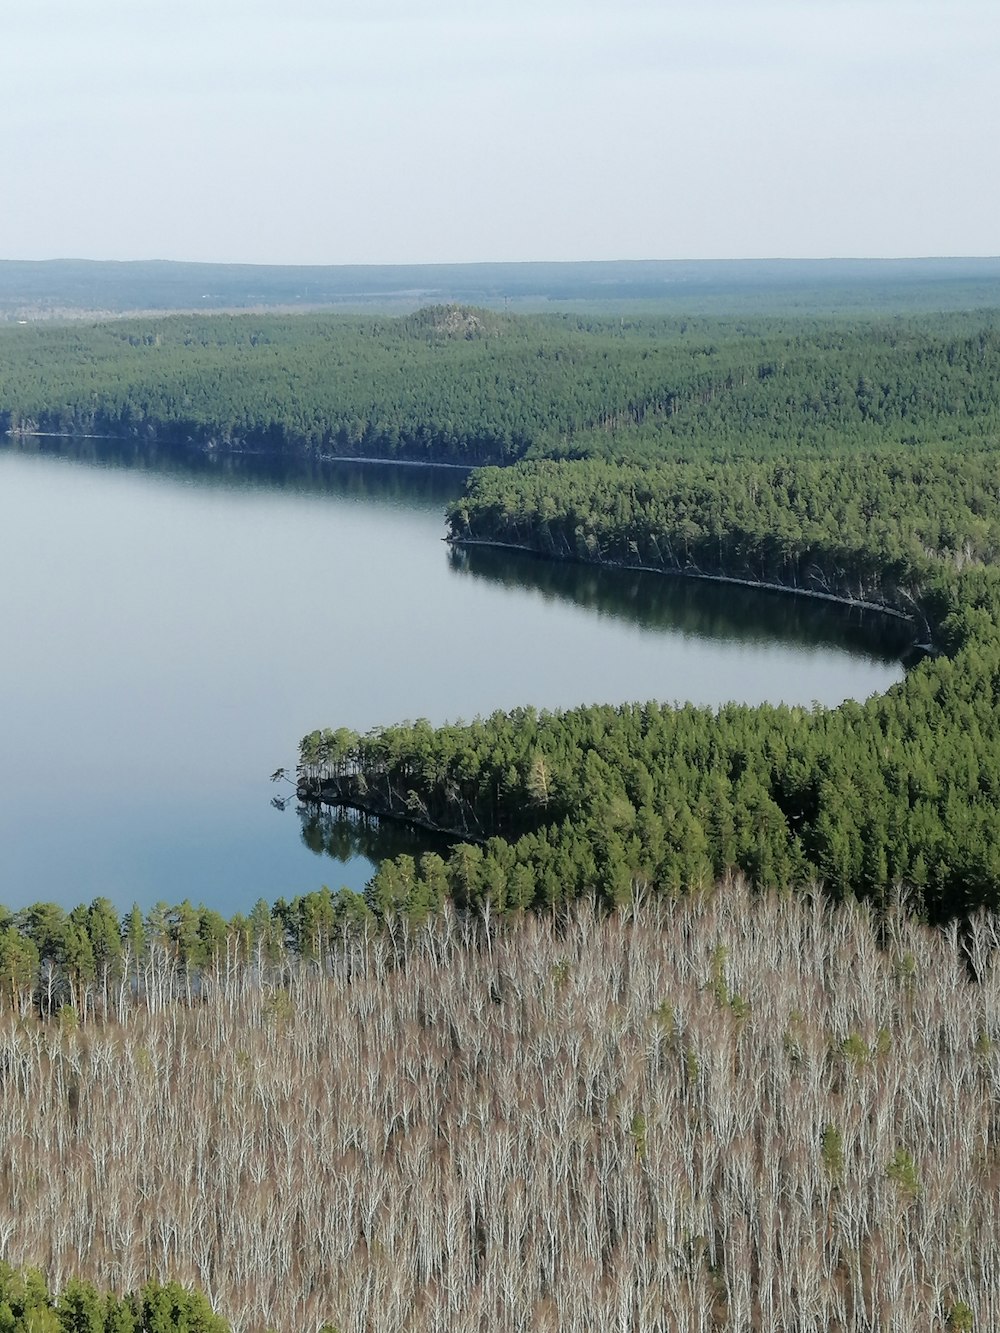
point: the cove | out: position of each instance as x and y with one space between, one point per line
175 623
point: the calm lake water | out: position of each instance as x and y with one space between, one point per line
172 628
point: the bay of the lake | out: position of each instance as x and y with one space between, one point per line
174 626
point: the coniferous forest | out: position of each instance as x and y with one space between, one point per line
691 1023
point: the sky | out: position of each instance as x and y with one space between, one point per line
417 131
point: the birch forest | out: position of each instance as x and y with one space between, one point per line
722 1110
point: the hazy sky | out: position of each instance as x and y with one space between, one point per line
391 131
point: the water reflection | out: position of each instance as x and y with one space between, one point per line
695 607
402 485
344 835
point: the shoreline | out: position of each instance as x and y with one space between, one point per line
236 451
878 608
854 603
325 792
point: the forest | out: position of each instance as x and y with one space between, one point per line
690 1023
28 1306
81 289
472 386
728 1109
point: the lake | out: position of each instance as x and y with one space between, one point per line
175 625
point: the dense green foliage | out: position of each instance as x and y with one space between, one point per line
462 385
866 529
619 798
27 1306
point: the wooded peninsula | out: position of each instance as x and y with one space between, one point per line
705 998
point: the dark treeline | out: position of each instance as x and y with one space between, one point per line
457 384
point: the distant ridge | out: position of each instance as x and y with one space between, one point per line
71 288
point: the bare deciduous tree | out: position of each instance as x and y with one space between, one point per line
730 1111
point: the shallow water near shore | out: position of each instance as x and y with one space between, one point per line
173 626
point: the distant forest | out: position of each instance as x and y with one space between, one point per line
75 288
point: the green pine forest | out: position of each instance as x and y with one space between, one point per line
455 384
28 1306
